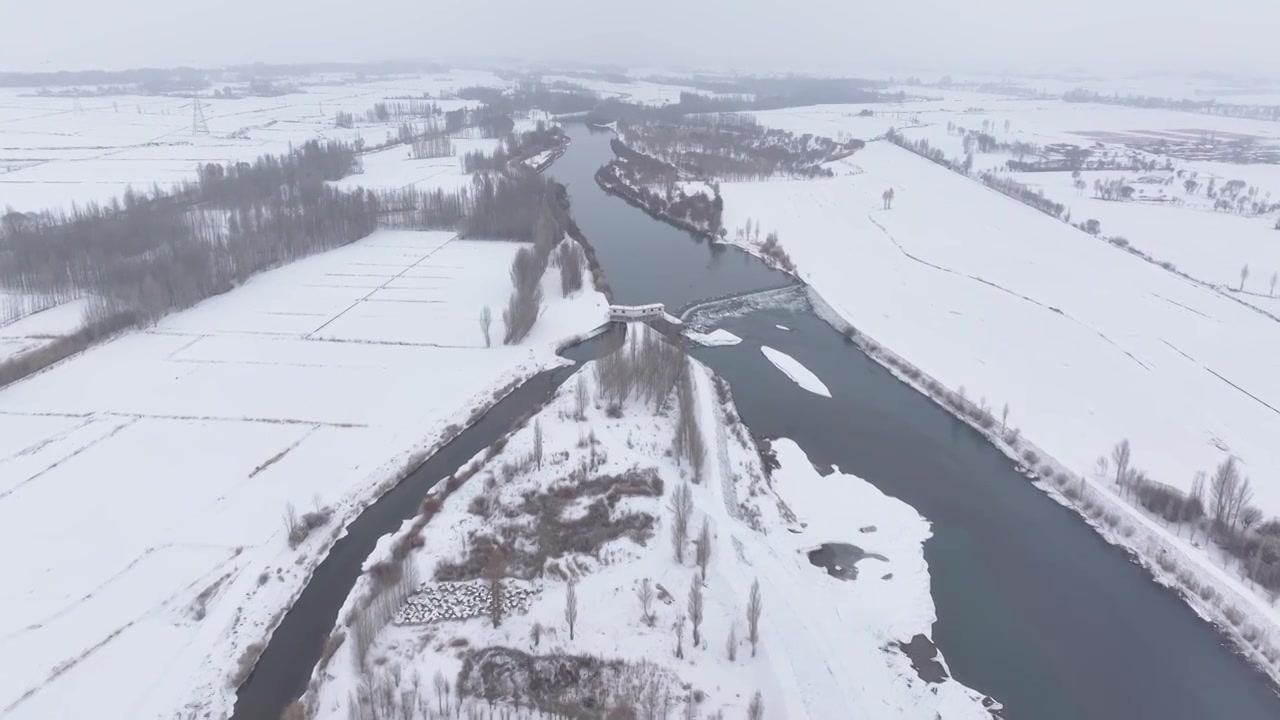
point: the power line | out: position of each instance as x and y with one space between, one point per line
199 126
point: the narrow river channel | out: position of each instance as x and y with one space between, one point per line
1034 608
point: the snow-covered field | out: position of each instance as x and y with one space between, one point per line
56 150
145 480
35 321
828 647
1208 245
956 277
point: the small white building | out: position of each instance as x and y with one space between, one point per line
632 313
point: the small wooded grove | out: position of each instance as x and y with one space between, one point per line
149 253
735 147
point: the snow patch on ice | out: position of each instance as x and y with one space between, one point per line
715 338
798 373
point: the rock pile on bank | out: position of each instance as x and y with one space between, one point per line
461 600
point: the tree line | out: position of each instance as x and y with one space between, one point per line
1208 107
149 253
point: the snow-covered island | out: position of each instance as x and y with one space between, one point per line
626 572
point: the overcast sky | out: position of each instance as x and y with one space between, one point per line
839 36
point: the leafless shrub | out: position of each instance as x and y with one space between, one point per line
553 533
755 711
535 633
731 643
1030 456
772 249
247 660
1233 614
331 646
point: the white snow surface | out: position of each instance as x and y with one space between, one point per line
828 647
154 469
798 373
53 154
715 338
1086 343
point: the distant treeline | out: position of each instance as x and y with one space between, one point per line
1209 107
148 80
188 78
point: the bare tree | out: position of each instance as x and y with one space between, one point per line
1240 500
695 611
440 684
537 443
731 644
645 593
1244 275
486 321
754 608
580 398
571 605
570 260
678 626
681 506
755 711
1249 517
1194 506
494 572
1222 491
1121 455
535 633
1275 277
1004 418
703 549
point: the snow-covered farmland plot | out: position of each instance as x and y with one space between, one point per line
1183 230
145 480
1086 343
58 150
28 322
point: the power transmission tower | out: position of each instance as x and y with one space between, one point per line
198 124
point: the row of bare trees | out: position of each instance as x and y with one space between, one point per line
1221 500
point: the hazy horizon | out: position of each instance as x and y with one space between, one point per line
929 36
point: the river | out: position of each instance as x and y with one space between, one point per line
1034 608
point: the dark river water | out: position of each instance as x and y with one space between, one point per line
1034 608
